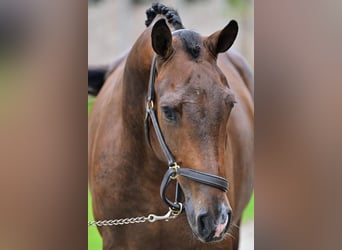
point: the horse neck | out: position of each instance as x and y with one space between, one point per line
135 87
135 81
136 72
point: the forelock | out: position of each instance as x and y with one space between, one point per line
191 42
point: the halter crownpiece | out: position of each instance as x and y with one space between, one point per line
174 169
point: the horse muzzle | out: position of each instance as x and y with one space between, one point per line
209 225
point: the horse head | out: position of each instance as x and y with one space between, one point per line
193 101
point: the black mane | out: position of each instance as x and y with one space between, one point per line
171 14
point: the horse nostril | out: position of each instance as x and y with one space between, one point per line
225 217
229 217
203 224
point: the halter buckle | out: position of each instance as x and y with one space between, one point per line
149 104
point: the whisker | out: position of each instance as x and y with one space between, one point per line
229 234
230 230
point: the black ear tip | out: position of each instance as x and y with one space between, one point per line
160 22
233 24
160 26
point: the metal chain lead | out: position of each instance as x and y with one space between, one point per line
117 222
171 214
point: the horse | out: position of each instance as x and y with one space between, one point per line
198 96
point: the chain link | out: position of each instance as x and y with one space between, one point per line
171 214
117 222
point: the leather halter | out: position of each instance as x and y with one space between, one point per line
174 169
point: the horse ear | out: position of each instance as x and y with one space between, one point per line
161 38
222 40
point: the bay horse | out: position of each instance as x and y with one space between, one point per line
203 108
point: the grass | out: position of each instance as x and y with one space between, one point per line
94 239
90 102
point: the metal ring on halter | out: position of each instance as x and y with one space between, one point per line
176 212
175 167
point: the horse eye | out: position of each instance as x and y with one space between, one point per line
170 113
230 101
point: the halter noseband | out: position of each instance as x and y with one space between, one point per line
174 169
